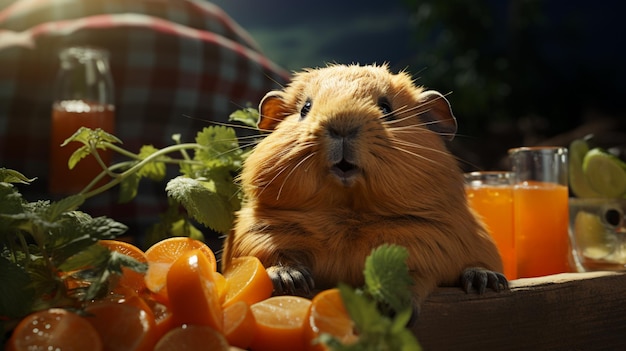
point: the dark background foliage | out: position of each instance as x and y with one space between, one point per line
518 72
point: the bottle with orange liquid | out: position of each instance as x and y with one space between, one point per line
83 97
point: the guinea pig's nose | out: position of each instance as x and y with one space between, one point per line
341 132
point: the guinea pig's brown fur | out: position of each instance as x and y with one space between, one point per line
357 158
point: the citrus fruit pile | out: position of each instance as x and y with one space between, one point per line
183 303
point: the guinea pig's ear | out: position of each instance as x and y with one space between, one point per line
437 115
271 111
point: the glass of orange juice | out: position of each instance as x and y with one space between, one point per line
490 194
541 213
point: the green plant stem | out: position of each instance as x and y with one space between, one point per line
176 138
118 178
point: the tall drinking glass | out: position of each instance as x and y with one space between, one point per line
490 194
541 214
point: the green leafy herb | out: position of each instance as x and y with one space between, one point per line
44 245
249 116
207 169
387 283
92 139
387 277
11 176
202 202
16 296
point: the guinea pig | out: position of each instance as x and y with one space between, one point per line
357 158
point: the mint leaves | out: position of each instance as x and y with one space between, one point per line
44 244
387 283
387 276
47 245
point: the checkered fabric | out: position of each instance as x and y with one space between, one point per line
175 65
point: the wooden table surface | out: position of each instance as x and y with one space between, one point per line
573 311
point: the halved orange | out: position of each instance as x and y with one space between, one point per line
122 326
193 294
162 316
155 310
239 324
280 323
192 338
246 280
130 278
54 329
162 254
328 315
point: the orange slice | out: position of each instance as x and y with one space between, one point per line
160 257
328 315
221 285
239 324
193 292
246 280
122 326
280 323
54 329
192 338
130 278
162 316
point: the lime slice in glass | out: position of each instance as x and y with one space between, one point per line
577 181
590 235
605 173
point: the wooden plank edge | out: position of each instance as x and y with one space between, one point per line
572 311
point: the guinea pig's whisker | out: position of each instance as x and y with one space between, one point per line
406 129
431 122
251 143
228 151
414 154
284 168
410 111
251 137
419 146
413 128
278 118
280 190
218 254
232 125
388 123
266 185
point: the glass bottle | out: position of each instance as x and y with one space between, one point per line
83 97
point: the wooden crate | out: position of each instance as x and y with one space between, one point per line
574 311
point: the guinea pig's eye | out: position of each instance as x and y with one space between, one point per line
305 109
385 108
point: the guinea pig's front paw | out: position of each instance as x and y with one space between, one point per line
291 280
481 278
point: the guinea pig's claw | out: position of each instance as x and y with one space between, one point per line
481 278
291 280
